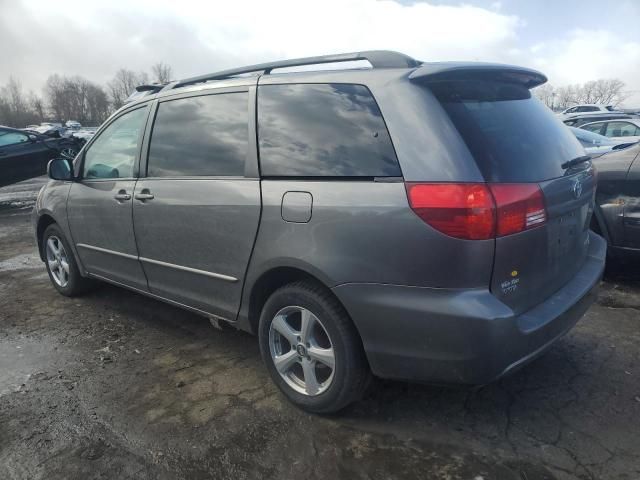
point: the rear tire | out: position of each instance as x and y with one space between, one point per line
61 264
322 366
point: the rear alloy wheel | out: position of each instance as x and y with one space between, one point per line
61 265
312 349
301 350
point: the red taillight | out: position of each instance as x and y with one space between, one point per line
461 210
478 211
520 207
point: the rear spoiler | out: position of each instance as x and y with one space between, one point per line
447 71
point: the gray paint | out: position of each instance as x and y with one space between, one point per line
424 303
205 224
297 207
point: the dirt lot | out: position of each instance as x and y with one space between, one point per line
115 385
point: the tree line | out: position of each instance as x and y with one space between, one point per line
604 91
74 97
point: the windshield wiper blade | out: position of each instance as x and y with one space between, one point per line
575 161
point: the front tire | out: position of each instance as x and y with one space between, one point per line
312 349
61 264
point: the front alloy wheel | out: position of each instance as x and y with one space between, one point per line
58 261
61 265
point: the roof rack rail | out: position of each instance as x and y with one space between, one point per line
153 87
377 59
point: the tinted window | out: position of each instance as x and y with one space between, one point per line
8 137
113 153
513 136
323 130
200 136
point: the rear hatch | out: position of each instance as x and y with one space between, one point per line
524 153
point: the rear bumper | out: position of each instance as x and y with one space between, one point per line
463 336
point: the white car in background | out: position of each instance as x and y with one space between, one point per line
587 108
622 130
597 145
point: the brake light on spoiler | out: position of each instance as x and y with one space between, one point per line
478 211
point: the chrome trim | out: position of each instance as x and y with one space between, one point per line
219 276
104 250
161 298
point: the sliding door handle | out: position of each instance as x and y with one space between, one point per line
144 195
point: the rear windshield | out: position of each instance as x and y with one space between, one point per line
512 135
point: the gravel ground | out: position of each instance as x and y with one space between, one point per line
115 385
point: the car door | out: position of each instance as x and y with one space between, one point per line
632 203
196 211
21 156
99 206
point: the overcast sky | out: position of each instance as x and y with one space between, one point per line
572 41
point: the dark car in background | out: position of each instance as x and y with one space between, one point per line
25 154
617 211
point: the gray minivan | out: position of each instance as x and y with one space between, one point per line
420 221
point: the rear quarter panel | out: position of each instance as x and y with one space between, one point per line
363 232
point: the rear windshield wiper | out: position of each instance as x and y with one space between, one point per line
576 161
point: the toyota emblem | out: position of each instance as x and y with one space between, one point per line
577 189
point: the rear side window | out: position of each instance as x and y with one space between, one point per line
596 128
200 136
323 130
621 129
513 136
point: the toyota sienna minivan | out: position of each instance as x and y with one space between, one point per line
419 221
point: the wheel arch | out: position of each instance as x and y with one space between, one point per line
269 281
43 222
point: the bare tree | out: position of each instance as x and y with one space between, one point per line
546 93
76 98
161 73
37 105
603 91
15 108
124 84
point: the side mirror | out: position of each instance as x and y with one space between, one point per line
33 138
60 169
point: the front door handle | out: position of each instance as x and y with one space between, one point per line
144 194
122 196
